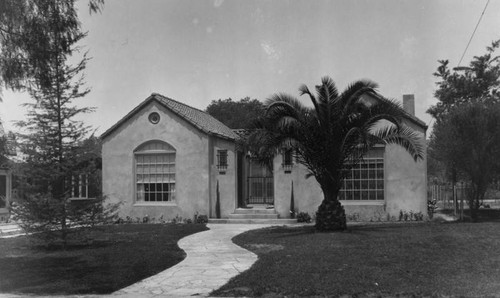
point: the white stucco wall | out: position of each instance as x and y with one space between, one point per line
192 166
226 179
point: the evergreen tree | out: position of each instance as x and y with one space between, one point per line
57 161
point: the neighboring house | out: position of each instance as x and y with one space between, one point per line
5 188
165 158
5 173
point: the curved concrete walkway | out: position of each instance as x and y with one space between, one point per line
212 259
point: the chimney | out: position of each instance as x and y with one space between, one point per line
409 103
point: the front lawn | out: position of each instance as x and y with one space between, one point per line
120 256
384 259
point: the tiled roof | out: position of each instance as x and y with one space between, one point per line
202 120
198 118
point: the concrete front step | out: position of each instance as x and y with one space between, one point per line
253 215
254 211
285 221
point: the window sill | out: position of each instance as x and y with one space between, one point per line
367 203
150 204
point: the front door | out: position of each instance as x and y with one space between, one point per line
260 184
260 190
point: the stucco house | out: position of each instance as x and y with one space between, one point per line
5 188
165 158
5 176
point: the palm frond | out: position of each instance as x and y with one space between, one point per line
405 137
286 102
326 94
369 116
349 99
286 123
370 122
327 91
356 143
355 87
388 106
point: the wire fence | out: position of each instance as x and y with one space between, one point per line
449 196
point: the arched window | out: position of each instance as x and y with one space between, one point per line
155 172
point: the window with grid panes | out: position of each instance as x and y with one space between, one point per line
222 160
155 172
83 186
365 181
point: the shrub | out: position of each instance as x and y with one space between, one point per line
200 219
419 216
431 207
353 216
410 216
377 216
161 220
304 217
177 219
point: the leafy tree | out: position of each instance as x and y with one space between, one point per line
462 88
476 83
331 137
468 139
236 114
25 36
35 56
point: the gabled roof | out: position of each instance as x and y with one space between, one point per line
198 118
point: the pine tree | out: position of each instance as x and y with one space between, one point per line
57 160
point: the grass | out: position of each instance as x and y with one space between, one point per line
421 259
120 256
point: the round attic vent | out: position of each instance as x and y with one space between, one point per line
154 117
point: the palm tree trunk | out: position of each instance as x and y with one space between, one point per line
331 214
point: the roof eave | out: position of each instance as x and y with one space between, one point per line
145 102
409 116
126 117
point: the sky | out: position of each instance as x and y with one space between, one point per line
196 51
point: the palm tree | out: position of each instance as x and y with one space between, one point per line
332 136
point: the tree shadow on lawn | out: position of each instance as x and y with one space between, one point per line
119 256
